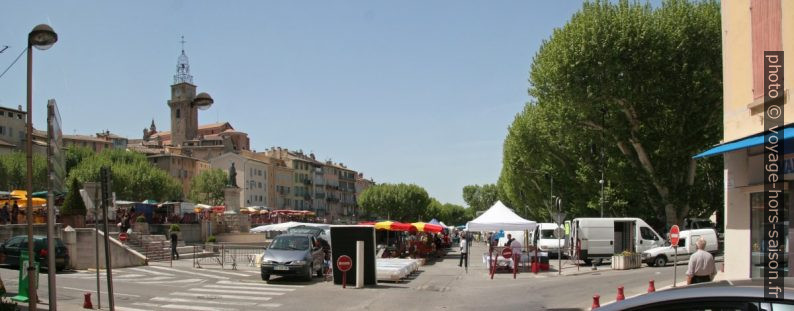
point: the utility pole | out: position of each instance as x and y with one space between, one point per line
603 146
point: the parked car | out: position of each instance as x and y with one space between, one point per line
660 256
723 295
317 232
293 254
600 238
12 247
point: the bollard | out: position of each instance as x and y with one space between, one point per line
620 294
651 287
596 304
87 301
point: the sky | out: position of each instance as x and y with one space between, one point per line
404 91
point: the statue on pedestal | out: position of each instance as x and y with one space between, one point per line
232 177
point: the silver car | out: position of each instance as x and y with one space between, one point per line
293 254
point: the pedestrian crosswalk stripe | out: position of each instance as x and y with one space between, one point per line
269 305
215 290
225 272
259 284
129 309
280 289
186 307
127 276
209 302
210 296
150 271
169 282
192 273
145 304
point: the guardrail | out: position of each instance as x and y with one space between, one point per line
227 255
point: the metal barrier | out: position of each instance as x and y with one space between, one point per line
227 255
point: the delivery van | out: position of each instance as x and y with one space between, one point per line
596 239
660 256
543 238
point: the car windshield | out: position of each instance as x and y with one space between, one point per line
290 243
547 234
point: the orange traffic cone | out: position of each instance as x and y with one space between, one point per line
596 303
87 301
651 287
620 294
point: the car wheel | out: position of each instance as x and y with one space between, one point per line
265 277
309 272
588 262
660 261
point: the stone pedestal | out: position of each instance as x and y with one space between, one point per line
235 222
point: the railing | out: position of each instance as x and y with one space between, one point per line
227 255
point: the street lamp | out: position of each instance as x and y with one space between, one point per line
41 37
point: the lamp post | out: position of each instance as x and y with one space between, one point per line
41 37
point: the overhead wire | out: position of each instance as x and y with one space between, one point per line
12 63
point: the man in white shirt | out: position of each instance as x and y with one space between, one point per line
701 265
464 245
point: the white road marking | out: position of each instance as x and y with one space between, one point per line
225 272
146 304
269 305
129 309
150 271
280 289
214 290
257 284
94 291
192 273
170 282
210 296
127 276
187 307
211 302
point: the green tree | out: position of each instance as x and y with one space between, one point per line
641 85
74 155
13 170
73 203
401 202
453 214
480 198
134 177
207 187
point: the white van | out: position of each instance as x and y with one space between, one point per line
660 256
596 239
543 238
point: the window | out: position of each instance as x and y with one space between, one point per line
2 130
757 223
177 113
647 234
682 242
260 185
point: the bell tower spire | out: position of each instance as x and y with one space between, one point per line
183 67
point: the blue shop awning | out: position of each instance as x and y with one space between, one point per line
752 141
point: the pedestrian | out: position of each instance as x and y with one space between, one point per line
14 213
509 240
174 238
701 265
125 222
4 216
464 245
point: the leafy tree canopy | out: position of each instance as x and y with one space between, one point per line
207 187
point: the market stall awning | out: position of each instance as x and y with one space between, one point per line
499 217
747 142
392 226
427 227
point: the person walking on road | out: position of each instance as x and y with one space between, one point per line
701 265
14 213
174 238
463 251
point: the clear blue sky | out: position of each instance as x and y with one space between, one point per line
404 91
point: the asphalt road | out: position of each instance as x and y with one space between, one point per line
438 286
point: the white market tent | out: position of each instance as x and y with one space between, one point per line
499 217
284 226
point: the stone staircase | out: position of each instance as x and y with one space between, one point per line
157 247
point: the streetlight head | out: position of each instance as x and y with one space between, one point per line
42 37
203 101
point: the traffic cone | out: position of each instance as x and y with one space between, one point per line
596 304
651 287
87 301
620 294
